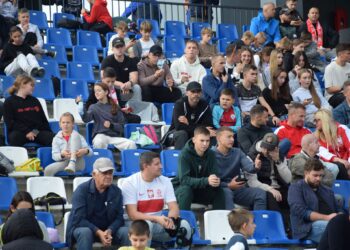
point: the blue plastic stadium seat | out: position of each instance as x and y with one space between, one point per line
81 71
44 89
342 187
51 68
9 189
27 145
6 81
59 37
98 153
86 54
197 27
170 160
61 55
175 28
58 16
89 38
174 45
245 28
167 112
131 161
71 88
222 44
38 18
228 31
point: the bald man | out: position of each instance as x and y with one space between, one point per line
265 22
309 149
217 80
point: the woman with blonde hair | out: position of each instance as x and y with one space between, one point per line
246 57
24 117
334 140
276 62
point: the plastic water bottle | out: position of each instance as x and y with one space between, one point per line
81 106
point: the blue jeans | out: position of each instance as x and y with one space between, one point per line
246 196
317 230
85 238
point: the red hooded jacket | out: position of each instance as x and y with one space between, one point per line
99 13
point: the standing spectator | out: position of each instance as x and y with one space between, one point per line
108 121
218 80
24 117
190 112
145 43
293 128
148 9
98 19
188 68
144 195
201 11
155 78
341 113
266 23
312 204
97 211
206 50
232 162
18 57
68 148
336 73
197 177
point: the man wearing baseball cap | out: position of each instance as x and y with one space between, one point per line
286 29
97 211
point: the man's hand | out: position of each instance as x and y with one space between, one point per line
183 119
213 180
276 121
159 73
276 194
257 162
275 154
105 237
166 222
239 68
224 78
185 79
211 131
83 10
234 184
331 216
31 136
107 124
344 162
296 23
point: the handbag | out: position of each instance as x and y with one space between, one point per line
50 199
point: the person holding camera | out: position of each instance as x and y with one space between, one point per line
232 163
144 195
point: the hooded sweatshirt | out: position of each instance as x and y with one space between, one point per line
181 67
99 13
293 134
194 170
146 74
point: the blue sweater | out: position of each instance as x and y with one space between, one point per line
269 27
218 112
212 87
83 205
302 201
342 113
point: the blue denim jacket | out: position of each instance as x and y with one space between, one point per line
342 113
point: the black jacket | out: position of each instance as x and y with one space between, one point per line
249 135
11 51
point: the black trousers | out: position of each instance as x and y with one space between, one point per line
336 99
101 27
280 206
343 172
18 138
160 94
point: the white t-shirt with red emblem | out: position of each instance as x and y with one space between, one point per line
149 197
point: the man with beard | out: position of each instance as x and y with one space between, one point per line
311 203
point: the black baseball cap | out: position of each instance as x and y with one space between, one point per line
118 41
194 86
285 11
156 50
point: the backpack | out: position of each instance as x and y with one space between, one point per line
49 199
6 165
151 133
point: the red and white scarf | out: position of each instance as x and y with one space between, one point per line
317 37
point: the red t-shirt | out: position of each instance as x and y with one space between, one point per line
66 137
228 118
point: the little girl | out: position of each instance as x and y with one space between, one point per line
68 148
309 97
18 57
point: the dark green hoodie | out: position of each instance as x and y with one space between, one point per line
194 170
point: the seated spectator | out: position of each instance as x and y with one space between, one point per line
341 113
122 31
276 62
98 19
273 176
293 128
246 58
91 219
334 140
226 114
262 62
285 45
242 224
155 78
309 150
139 235
144 195
188 68
258 43
288 56
189 112
232 57
285 26
31 34
296 18
68 148
108 121
24 117
248 38
197 179
216 81
307 95
22 231
206 49
18 57
311 203
232 163
322 34
314 55
23 200
249 94
8 12
266 23
336 73
130 114
301 62
277 95
255 129
145 43
125 69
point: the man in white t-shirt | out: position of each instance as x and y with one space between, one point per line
336 73
145 193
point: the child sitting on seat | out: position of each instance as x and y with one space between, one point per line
143 45
139 235
206 49
68 148
122 30
242 224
